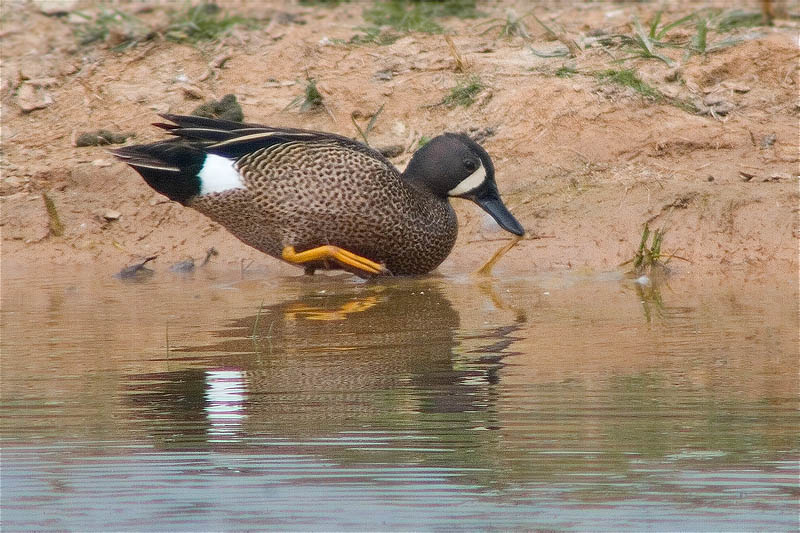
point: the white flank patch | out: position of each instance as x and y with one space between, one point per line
219 174
470 183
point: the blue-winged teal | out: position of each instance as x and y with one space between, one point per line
320 200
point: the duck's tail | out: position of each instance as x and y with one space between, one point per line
201 158
170 168
180 171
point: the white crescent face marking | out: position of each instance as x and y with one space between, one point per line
470 183
219 174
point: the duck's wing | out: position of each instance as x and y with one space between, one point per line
204 153
236 139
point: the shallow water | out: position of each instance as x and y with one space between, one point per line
561 402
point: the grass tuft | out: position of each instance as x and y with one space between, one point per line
121 30
310 100
566 71
192 24
464 93
648 255
402 16
371 124
737 18
705 25
511 26
374 35
323 3
649 259
203 22
405 16
644 43
628 78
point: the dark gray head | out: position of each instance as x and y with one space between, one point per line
455 165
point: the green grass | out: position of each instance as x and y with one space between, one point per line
203 22
464 92
511 26
192 24
403 16
406 16
127 29
566 71
374 35
704 26
737 18
658 31
323 3
645 42
648 256
649 259
371 124
310 100
628 78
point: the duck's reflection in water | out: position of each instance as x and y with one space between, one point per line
374 356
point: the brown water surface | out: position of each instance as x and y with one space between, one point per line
558 402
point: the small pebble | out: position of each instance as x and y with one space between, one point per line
31 98
111 214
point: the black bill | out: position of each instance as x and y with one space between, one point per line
489 199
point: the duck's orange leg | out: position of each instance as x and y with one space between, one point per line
340 255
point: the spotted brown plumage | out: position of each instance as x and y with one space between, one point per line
275 188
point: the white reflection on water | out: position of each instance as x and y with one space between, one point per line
225 394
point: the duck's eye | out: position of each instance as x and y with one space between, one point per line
470 165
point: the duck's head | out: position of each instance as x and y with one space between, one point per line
455 165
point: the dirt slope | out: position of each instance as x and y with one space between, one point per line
583 162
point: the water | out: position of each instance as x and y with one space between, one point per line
556 402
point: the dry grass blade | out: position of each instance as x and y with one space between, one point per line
486 269
511 26
365 133
54 222
571 45
461 65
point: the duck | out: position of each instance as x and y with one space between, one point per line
321 200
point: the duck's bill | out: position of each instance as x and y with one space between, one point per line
490 201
